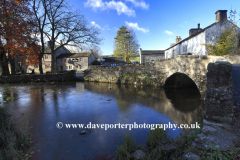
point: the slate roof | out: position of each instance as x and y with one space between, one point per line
113 59
47 50
74 55
147 52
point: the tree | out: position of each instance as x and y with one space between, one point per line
16 26
228 42
40 15
125 44
71 27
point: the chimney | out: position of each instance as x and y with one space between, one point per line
91 51
176 40
49 44
221 15
179 39
198 25
61 42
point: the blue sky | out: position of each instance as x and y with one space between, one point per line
155 22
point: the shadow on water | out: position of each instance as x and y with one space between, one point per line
99 103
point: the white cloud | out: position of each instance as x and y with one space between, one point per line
95 25
168 32
140 4
119 6
135 26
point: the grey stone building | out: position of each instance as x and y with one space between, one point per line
198 36
47 58
75 61
112 61
151 55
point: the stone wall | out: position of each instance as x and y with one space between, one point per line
236 94
219 95
151 57
25 78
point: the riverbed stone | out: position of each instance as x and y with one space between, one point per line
209 130
138 154
191 156
167 147
221 139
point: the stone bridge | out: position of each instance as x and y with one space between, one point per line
180 71
212 75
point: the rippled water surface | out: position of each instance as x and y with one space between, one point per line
43 105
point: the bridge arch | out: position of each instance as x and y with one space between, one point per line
179 80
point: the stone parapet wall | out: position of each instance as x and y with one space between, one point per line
62 77
219 96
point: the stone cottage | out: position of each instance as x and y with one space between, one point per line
75 61
151 55
198 36
47 58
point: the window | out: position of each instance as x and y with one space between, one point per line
70 67
73 59
117 64
80 67
146 60
61 60
47 66
76 60
80 59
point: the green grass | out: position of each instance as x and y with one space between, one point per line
135 58
125 150
14 140
155 137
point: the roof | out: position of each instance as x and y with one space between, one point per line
194 35
152 52
113 59
74 55
47 50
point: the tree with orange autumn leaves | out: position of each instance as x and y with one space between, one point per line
16 35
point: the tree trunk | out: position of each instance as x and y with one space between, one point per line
3 59
40 65
12 65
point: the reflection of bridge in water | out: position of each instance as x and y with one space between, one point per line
184 109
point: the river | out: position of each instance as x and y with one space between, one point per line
44 105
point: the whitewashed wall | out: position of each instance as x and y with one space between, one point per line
213 33
194 45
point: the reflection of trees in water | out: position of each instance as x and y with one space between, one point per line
183 106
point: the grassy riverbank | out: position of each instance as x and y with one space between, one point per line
14 139
160 146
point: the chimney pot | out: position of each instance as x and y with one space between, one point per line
61 42
198 25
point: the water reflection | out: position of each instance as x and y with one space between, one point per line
46 104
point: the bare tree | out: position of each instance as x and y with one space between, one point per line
41 18
71 27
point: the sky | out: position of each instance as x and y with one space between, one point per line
156 23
